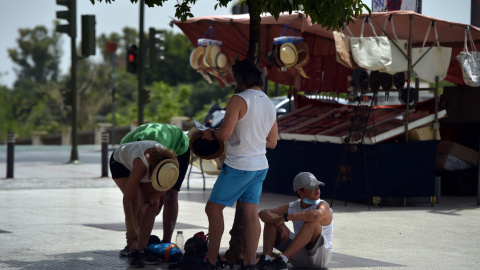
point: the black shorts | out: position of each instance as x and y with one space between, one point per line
118 170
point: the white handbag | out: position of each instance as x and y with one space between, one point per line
372 53
399 59
433 63
470 62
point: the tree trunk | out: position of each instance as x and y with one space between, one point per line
255 45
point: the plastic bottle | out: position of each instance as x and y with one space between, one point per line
179 240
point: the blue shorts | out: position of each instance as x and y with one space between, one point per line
233 184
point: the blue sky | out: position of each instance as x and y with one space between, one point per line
15 14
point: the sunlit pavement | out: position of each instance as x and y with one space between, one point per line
55 215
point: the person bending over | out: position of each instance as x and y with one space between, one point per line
143 171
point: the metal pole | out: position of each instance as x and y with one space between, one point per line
105 141
113 98
74 152
10 153
141 61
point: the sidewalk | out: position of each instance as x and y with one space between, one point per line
55 215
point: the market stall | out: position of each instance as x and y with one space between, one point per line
319 128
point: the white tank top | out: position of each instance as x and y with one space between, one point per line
295 207
246 148
126 153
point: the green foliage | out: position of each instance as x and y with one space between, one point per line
328 13
37 55
166 102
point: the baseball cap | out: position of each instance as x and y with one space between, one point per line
306 180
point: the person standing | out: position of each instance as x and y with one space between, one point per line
173 138
248 128
310 246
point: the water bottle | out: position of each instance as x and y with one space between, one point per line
179 240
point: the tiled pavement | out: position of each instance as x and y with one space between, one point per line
55 215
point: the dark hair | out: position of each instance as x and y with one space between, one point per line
245 72
159 154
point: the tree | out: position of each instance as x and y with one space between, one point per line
37 55
328 13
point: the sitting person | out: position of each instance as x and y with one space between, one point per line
311 244
143 171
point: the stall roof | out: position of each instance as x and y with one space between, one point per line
233 31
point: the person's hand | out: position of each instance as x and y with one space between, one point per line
278 221
283 231
207 134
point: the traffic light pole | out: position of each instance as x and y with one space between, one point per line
141 67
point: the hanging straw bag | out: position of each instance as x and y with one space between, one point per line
372 53
428 64
470 62
342 46
399 59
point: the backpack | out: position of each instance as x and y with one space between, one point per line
169 252
195 250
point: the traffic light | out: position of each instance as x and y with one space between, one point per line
156 46
88 35
132 60
70 15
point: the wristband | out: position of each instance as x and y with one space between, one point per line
148 202
285 216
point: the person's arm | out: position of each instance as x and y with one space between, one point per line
322 214
273 215
139 170
236 109
272 136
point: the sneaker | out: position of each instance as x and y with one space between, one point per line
134 259
206 265
149 258
248 267
124 252
261 262
277 264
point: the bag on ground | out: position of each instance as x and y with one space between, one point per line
195 250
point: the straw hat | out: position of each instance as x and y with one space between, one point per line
195 55
303 58
204 148
271 57
288 54
220 60
211 52
276 55
165 175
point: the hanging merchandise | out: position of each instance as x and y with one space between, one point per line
284 52
303 58
470 62
209 58
399 59
372 53
343 50
429 63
